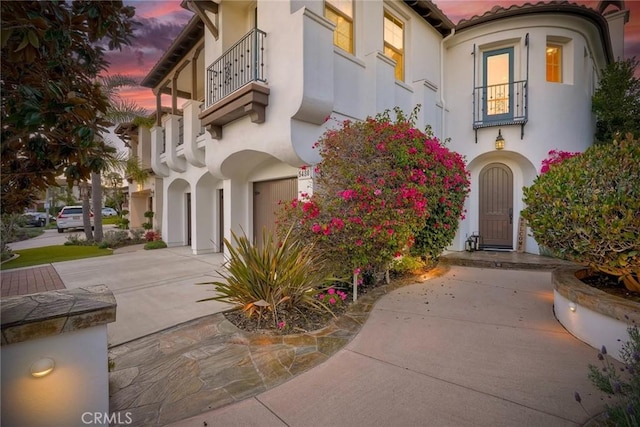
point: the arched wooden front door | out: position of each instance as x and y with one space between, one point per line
496 206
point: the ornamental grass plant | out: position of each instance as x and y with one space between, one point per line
274 276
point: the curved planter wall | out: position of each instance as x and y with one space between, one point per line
591 315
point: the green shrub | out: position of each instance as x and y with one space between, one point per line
147 225
586 209
275 275
156 244
123 223
621 385
136 234
116 238
407 264
75 239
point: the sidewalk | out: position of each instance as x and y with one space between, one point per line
474 347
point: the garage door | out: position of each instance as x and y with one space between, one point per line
266 197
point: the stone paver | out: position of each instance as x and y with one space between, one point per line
30 280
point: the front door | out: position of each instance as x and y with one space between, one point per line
496 206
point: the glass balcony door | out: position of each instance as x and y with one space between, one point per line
498 84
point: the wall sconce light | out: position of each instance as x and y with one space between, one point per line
572 307
42 367
499 141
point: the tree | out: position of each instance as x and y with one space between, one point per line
616 103
119 110
52 106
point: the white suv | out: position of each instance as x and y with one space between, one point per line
71 217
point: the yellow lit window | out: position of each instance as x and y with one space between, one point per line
394 42
340 12
554 63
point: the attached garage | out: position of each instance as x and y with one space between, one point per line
266 198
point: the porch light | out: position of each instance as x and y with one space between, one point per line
499 141
572 307
42 367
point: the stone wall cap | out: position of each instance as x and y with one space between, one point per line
567 284
28 317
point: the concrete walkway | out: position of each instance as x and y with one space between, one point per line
154 289
474 347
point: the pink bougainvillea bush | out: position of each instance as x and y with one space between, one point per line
382 188
556 157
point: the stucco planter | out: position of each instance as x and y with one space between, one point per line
591 315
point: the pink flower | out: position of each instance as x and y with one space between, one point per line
331 291
357 271
316 228
332 300
377 192
359 242
281 324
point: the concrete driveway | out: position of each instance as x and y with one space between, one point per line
154 289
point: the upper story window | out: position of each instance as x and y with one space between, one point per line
340 12
394 42
498 82
554 63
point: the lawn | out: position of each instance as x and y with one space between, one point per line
49 254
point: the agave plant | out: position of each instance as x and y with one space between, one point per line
272 276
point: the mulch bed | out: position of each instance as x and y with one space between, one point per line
611 285
302 320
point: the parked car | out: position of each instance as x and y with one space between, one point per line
37 219
109 212
71 217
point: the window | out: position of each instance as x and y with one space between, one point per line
340 12
554 63
498 82
394 42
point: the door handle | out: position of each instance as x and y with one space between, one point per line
510 215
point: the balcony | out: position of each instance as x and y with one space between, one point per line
500 105
236 84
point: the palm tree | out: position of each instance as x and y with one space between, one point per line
120 111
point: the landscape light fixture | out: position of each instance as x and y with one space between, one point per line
42 367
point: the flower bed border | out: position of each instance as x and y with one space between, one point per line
591 315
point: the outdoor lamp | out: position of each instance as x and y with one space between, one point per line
572 307
499 141
42 367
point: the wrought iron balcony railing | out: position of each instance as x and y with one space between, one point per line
180 131
499 105
241 64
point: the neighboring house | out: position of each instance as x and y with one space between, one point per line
146 195
256 81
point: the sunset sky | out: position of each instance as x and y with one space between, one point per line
163 20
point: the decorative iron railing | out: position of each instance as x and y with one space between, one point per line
499 105
242 63
180 131
202 129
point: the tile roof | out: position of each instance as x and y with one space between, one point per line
543 7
